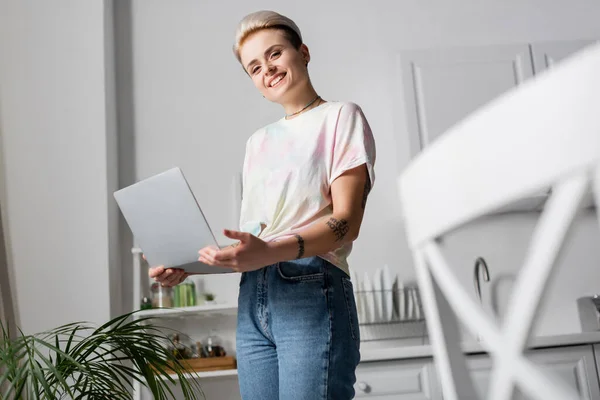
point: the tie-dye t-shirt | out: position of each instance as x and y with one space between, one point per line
290 165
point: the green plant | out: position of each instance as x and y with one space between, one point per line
209 296
77 361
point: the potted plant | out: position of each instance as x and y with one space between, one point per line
78 361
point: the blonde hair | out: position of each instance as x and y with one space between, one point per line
264 19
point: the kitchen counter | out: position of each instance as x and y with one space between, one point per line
424 351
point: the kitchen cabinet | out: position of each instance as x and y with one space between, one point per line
546 54
208 315
576 365
440 87
412 379
199 321
597 358
416 378
443 86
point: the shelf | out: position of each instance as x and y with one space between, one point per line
185 312
208 374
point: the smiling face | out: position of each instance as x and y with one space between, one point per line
278 70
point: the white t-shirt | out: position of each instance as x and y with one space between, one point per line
289 167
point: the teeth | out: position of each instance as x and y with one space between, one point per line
276 81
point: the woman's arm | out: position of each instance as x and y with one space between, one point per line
349 196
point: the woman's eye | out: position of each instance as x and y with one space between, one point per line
255 70
275 53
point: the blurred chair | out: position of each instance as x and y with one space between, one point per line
544 133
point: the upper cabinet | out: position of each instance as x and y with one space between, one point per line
546 54
442 86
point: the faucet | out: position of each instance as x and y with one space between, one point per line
480 262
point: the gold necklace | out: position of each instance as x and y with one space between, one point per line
305 107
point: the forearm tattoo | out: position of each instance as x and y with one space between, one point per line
339 228
300 246
366 192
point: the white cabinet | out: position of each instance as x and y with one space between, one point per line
597 357
416 379
443 86
546 54
575 365
440 87
398 380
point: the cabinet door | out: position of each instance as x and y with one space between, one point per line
546 54
597 358
443 86
575 365
397 380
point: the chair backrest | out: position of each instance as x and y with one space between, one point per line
544 133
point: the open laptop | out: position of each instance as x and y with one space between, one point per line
167 222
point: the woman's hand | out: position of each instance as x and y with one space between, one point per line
249 254
167 276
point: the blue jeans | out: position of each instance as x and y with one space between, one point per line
297 332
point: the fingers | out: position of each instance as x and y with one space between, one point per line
175 277
241 236
156 271
169 276
218 260
213 257
225 255
208 254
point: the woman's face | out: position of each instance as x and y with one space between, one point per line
277 69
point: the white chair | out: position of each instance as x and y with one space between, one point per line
544 133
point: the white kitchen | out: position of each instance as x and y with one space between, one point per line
97 95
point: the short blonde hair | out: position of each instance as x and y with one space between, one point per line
264 19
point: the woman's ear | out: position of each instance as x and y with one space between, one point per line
305 53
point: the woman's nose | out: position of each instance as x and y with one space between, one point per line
270 69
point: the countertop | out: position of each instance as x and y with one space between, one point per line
423 351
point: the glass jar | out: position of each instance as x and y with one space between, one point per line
185 294
177 348
162 296
213 347
146 304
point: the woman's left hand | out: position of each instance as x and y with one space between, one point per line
251 253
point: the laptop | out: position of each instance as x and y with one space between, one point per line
167 222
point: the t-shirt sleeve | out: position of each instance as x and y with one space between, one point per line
353 144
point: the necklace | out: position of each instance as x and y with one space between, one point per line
305 107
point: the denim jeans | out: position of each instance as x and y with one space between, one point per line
297 332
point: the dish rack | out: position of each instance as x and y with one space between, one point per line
390 314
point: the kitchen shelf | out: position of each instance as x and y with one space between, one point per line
207 374
224 309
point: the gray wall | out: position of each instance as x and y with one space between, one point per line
59 147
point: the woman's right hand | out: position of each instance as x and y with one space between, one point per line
167 276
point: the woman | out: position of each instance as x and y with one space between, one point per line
306 179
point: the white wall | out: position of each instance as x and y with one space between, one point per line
195 108
59 147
